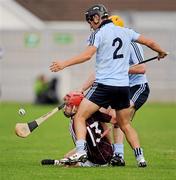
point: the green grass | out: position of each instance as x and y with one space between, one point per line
20 158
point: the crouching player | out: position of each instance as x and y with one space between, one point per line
99 148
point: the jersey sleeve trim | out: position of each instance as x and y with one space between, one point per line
137 52
92 38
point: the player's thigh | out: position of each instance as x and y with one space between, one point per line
86 109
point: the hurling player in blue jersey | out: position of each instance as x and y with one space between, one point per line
111 44
139 92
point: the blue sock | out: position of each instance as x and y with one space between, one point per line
81 146
119 150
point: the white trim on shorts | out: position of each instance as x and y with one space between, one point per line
138 93
91 91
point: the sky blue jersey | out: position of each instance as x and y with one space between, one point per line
136 56
113 45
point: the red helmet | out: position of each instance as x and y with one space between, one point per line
73 98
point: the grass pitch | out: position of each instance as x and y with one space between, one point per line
20 158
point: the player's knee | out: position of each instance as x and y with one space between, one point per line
79 118
125 127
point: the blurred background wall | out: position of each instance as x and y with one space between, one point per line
33 33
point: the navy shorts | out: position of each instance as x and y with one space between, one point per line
139 94
105 95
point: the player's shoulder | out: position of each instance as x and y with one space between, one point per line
130 30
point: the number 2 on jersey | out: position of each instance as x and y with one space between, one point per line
120 43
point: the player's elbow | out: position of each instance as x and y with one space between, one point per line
88 56
143 70
90 51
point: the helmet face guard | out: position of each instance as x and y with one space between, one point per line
70 111
98 9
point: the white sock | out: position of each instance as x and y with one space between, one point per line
81 146
138 152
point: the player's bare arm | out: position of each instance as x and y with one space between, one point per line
153 45
88 83
137 69
84 56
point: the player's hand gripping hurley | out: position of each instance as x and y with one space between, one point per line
150 59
